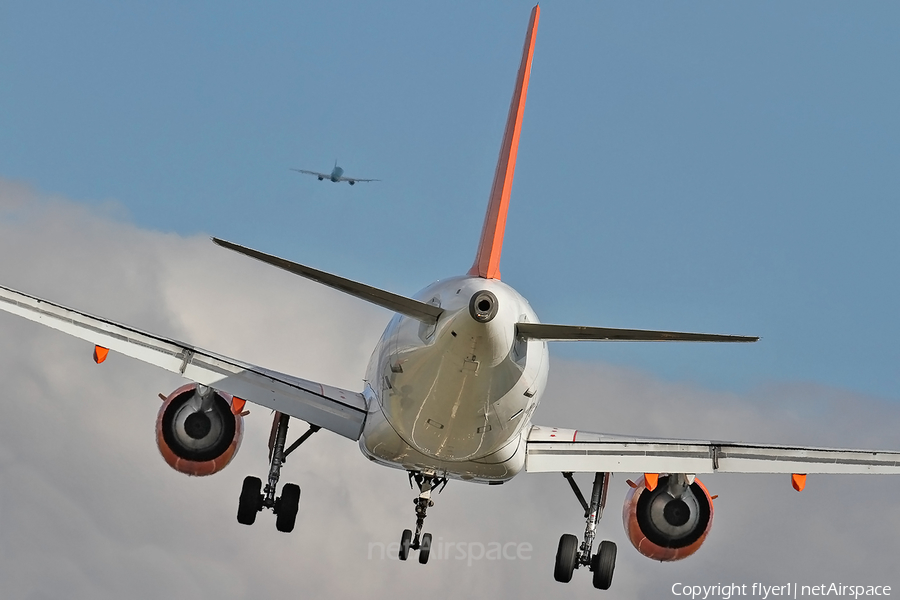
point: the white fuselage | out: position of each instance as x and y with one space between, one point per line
456 397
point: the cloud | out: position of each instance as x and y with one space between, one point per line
88 509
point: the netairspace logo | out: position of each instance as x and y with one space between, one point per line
462 551
788 590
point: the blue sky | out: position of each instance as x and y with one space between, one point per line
703 167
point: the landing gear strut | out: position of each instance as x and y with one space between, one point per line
421 542
570 556
286 506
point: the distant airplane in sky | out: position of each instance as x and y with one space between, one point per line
336 175
449 393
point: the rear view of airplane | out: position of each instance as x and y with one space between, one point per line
449 393
336 175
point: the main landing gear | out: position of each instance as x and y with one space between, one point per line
285 506
426 483
569 556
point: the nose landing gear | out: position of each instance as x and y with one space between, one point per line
421 542
569 556
285 506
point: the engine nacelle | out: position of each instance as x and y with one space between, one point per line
196 430
666 528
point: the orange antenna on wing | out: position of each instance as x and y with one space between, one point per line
487 261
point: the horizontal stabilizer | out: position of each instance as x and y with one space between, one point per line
395 302
565 333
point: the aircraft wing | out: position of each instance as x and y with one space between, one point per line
355 179
551 449
316 173
337 410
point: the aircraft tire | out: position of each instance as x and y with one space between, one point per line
603 564
288 507
425 548
250 501
566 558
405 541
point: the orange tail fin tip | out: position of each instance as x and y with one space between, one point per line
487 261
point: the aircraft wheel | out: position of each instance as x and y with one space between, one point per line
603 564
425 548
288 505
566 558
405 541
250 501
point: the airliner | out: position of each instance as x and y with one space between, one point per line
336 175
449 394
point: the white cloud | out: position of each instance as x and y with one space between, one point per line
89 510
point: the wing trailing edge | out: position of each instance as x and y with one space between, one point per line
487 260
567 450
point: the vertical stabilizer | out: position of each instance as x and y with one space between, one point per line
487 261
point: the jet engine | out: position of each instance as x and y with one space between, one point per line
199 429
671 521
